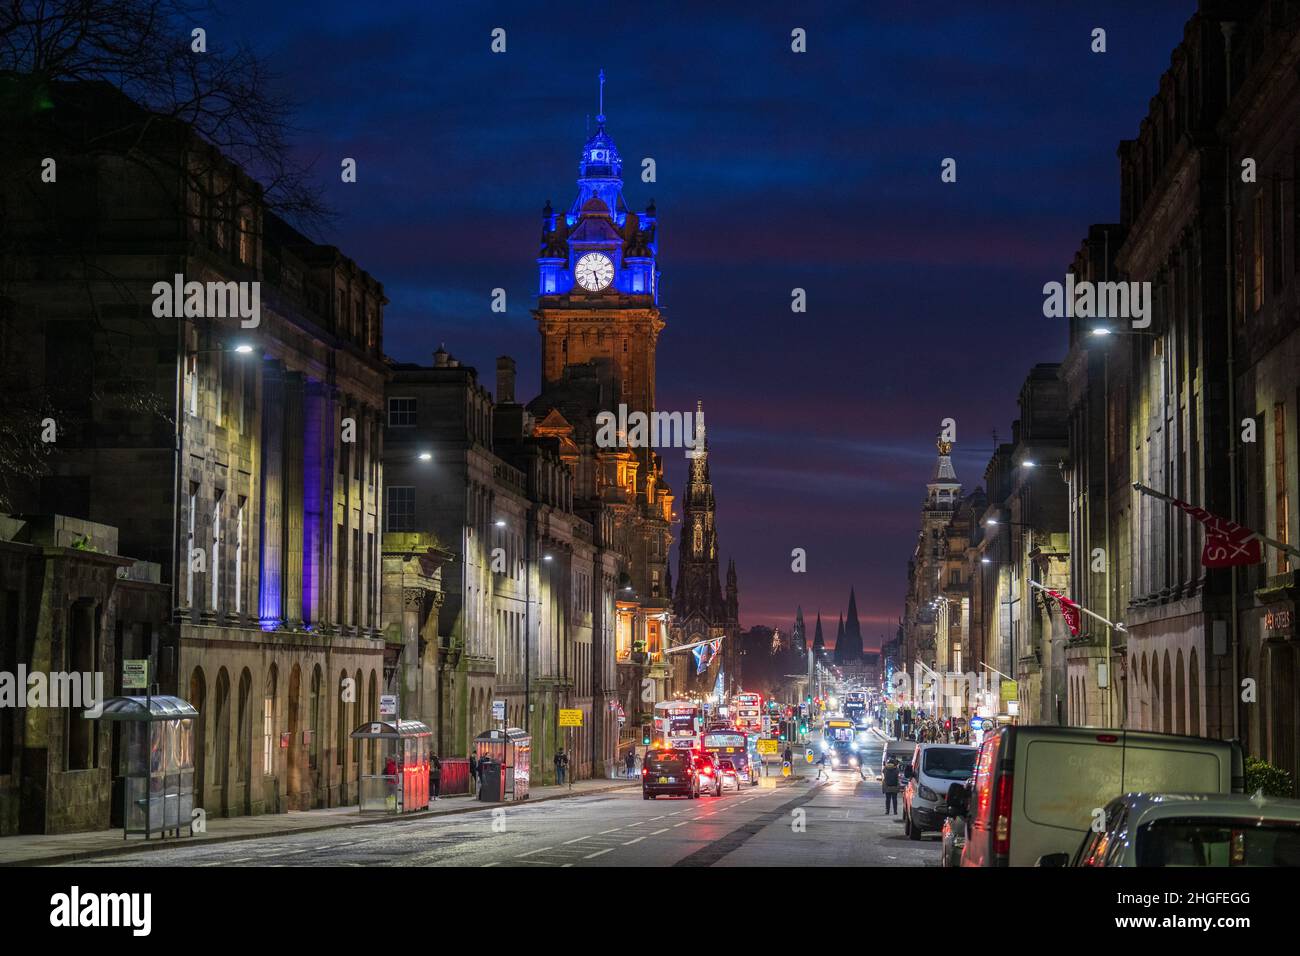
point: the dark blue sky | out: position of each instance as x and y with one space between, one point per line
775 170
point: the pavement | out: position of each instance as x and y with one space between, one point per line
780 822
43 849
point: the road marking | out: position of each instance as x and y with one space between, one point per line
637 824
493 863
630 842
567 864
657 832
540 849
598 853
603 832
682 824
578 839
660 817
242 859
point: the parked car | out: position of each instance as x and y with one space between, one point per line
707 773
955 821
669 772
1191 829
1036 787
934 768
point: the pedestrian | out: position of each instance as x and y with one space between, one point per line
630 762
484 766
473 772
889 786
788 756
559 766
821 766
390 767
435 777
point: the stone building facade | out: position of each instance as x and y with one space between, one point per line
241 453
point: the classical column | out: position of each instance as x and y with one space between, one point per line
271 564
294 435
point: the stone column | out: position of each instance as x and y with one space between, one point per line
294 432
271 577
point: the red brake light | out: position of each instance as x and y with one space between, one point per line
1107 738
1002 816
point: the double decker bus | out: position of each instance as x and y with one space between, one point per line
748 712
732 745
855 708
678 724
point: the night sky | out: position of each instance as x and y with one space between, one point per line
775 170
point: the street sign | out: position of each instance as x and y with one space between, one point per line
785 768
135 674
976 723
570 718
808 755
766 746
498 710
388 705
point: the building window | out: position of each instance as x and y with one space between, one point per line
1257 250
189 545
268 726
401 413
400 501
1283 517
239 555
214 565
245 238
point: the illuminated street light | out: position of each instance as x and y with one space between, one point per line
426 456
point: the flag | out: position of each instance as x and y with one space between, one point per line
1069 611
1227 544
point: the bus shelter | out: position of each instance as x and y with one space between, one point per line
157 763
511 750
401 748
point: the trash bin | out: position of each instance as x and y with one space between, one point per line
491 776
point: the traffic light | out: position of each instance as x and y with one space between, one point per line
645 736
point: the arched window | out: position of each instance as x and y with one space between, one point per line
1180 695
268 724
1166 697
244 736
1194 686
314 718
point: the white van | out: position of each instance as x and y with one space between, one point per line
934 768
1036 789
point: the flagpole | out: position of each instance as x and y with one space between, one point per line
1111 624
1271 542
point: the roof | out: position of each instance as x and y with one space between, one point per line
391 730
1145 807
160 707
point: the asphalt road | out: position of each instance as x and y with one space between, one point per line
836 823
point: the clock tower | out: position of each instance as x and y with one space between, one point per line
598 282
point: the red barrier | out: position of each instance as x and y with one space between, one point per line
455 775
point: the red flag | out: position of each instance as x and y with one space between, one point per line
1227 544
1069 611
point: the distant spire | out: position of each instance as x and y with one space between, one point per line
600 117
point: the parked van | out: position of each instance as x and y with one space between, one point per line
1036 789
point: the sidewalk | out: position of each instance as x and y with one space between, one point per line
42 850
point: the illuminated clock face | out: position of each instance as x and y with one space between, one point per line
594 271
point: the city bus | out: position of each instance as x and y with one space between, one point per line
678 724
732 745
748 712
855 708
839 742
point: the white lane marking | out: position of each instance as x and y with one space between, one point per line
540 849
603 832
682 824
493 863
242 859
567 864
637 824
598 853
637 840
657 832
578 839
660 817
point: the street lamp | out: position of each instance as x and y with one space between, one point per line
1101 331
426 456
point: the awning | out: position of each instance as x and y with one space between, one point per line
391 730
162 707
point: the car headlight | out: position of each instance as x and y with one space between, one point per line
854 745
927 793
853 761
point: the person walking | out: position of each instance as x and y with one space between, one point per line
821 767
559 766
630 762
473 773
889 786
435 777
484 767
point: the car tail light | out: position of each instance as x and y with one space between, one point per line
1002 816
645 771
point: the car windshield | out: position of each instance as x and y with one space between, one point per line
948 763
1219 842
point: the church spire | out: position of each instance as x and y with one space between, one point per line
600 117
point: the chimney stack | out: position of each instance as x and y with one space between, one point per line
505 380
